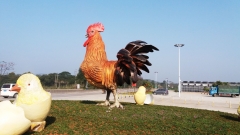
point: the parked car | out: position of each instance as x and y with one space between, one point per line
161 92
6 90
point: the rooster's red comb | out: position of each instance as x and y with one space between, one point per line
97 26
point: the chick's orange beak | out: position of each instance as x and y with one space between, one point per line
16 88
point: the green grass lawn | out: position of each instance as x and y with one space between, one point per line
85 117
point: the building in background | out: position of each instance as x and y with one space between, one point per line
198 86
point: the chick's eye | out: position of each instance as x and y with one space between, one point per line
29 84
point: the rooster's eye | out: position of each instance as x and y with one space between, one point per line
92 31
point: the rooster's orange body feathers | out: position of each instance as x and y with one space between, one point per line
96 68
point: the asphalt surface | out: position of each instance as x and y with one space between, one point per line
186 99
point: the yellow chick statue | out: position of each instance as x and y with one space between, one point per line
140 95
33 99
12 119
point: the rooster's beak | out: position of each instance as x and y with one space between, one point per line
16 88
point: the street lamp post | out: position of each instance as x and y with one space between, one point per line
179 80
156 79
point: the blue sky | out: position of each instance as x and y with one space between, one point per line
47 36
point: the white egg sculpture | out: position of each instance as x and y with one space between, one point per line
12 119
149 99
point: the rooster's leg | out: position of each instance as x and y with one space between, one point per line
116 102
106 103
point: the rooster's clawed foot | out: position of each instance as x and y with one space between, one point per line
116 104
106 103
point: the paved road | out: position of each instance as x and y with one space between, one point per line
187 99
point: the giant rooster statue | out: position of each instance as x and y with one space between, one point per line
105 74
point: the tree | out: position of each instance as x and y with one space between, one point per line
147 84
80 78
219 83
5 66
66 78
10 78
206 89
48 80
139 82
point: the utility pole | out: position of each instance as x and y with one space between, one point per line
166 83
156 79
75 72
56 80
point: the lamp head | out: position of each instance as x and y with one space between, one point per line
179 45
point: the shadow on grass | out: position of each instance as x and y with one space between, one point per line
96 102
49 120
230 118
88 102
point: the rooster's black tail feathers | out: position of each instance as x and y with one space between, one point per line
131 61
